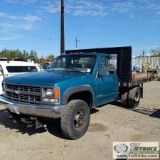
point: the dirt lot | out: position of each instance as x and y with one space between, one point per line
108 124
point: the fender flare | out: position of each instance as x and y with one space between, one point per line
77 89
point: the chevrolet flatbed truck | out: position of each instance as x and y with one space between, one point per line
72 85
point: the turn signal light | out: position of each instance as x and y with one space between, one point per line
56 92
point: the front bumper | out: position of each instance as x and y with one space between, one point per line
49 111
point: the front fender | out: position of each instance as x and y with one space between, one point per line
72 90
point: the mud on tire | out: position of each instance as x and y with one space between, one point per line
75 121
124 99
133 97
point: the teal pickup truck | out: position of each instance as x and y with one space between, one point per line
73 84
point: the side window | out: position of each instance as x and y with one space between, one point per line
29 69
102 66
15 69
12 69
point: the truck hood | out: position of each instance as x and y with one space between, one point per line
43 78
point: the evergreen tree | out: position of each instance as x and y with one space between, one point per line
155 52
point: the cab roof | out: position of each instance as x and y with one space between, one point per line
16 63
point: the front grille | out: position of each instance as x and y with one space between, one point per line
22 88
21 93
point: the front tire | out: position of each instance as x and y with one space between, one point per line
75 121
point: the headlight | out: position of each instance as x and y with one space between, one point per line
50 95
47 92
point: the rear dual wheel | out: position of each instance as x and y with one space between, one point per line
130 99
134 97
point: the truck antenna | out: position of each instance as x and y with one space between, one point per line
76 42
62 28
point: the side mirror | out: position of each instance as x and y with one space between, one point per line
111 65
1 71
97 74
111 68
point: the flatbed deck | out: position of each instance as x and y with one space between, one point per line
139 76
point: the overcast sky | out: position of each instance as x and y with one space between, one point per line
35 24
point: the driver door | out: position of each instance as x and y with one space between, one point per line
106 83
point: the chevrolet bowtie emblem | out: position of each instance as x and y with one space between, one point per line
18 92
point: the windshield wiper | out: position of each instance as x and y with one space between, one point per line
73 69
49 69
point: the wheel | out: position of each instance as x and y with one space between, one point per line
75 121
124 97
134 97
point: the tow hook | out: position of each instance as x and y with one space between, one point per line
14 117
30 121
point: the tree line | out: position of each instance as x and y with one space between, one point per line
13 54
153 52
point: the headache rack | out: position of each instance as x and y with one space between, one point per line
124 63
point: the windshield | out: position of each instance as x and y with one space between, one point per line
77 63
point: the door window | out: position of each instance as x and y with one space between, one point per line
102 66
14 69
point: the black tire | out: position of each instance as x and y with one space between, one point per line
124 99
75 121
133 97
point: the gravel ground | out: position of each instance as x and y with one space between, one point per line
108 124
